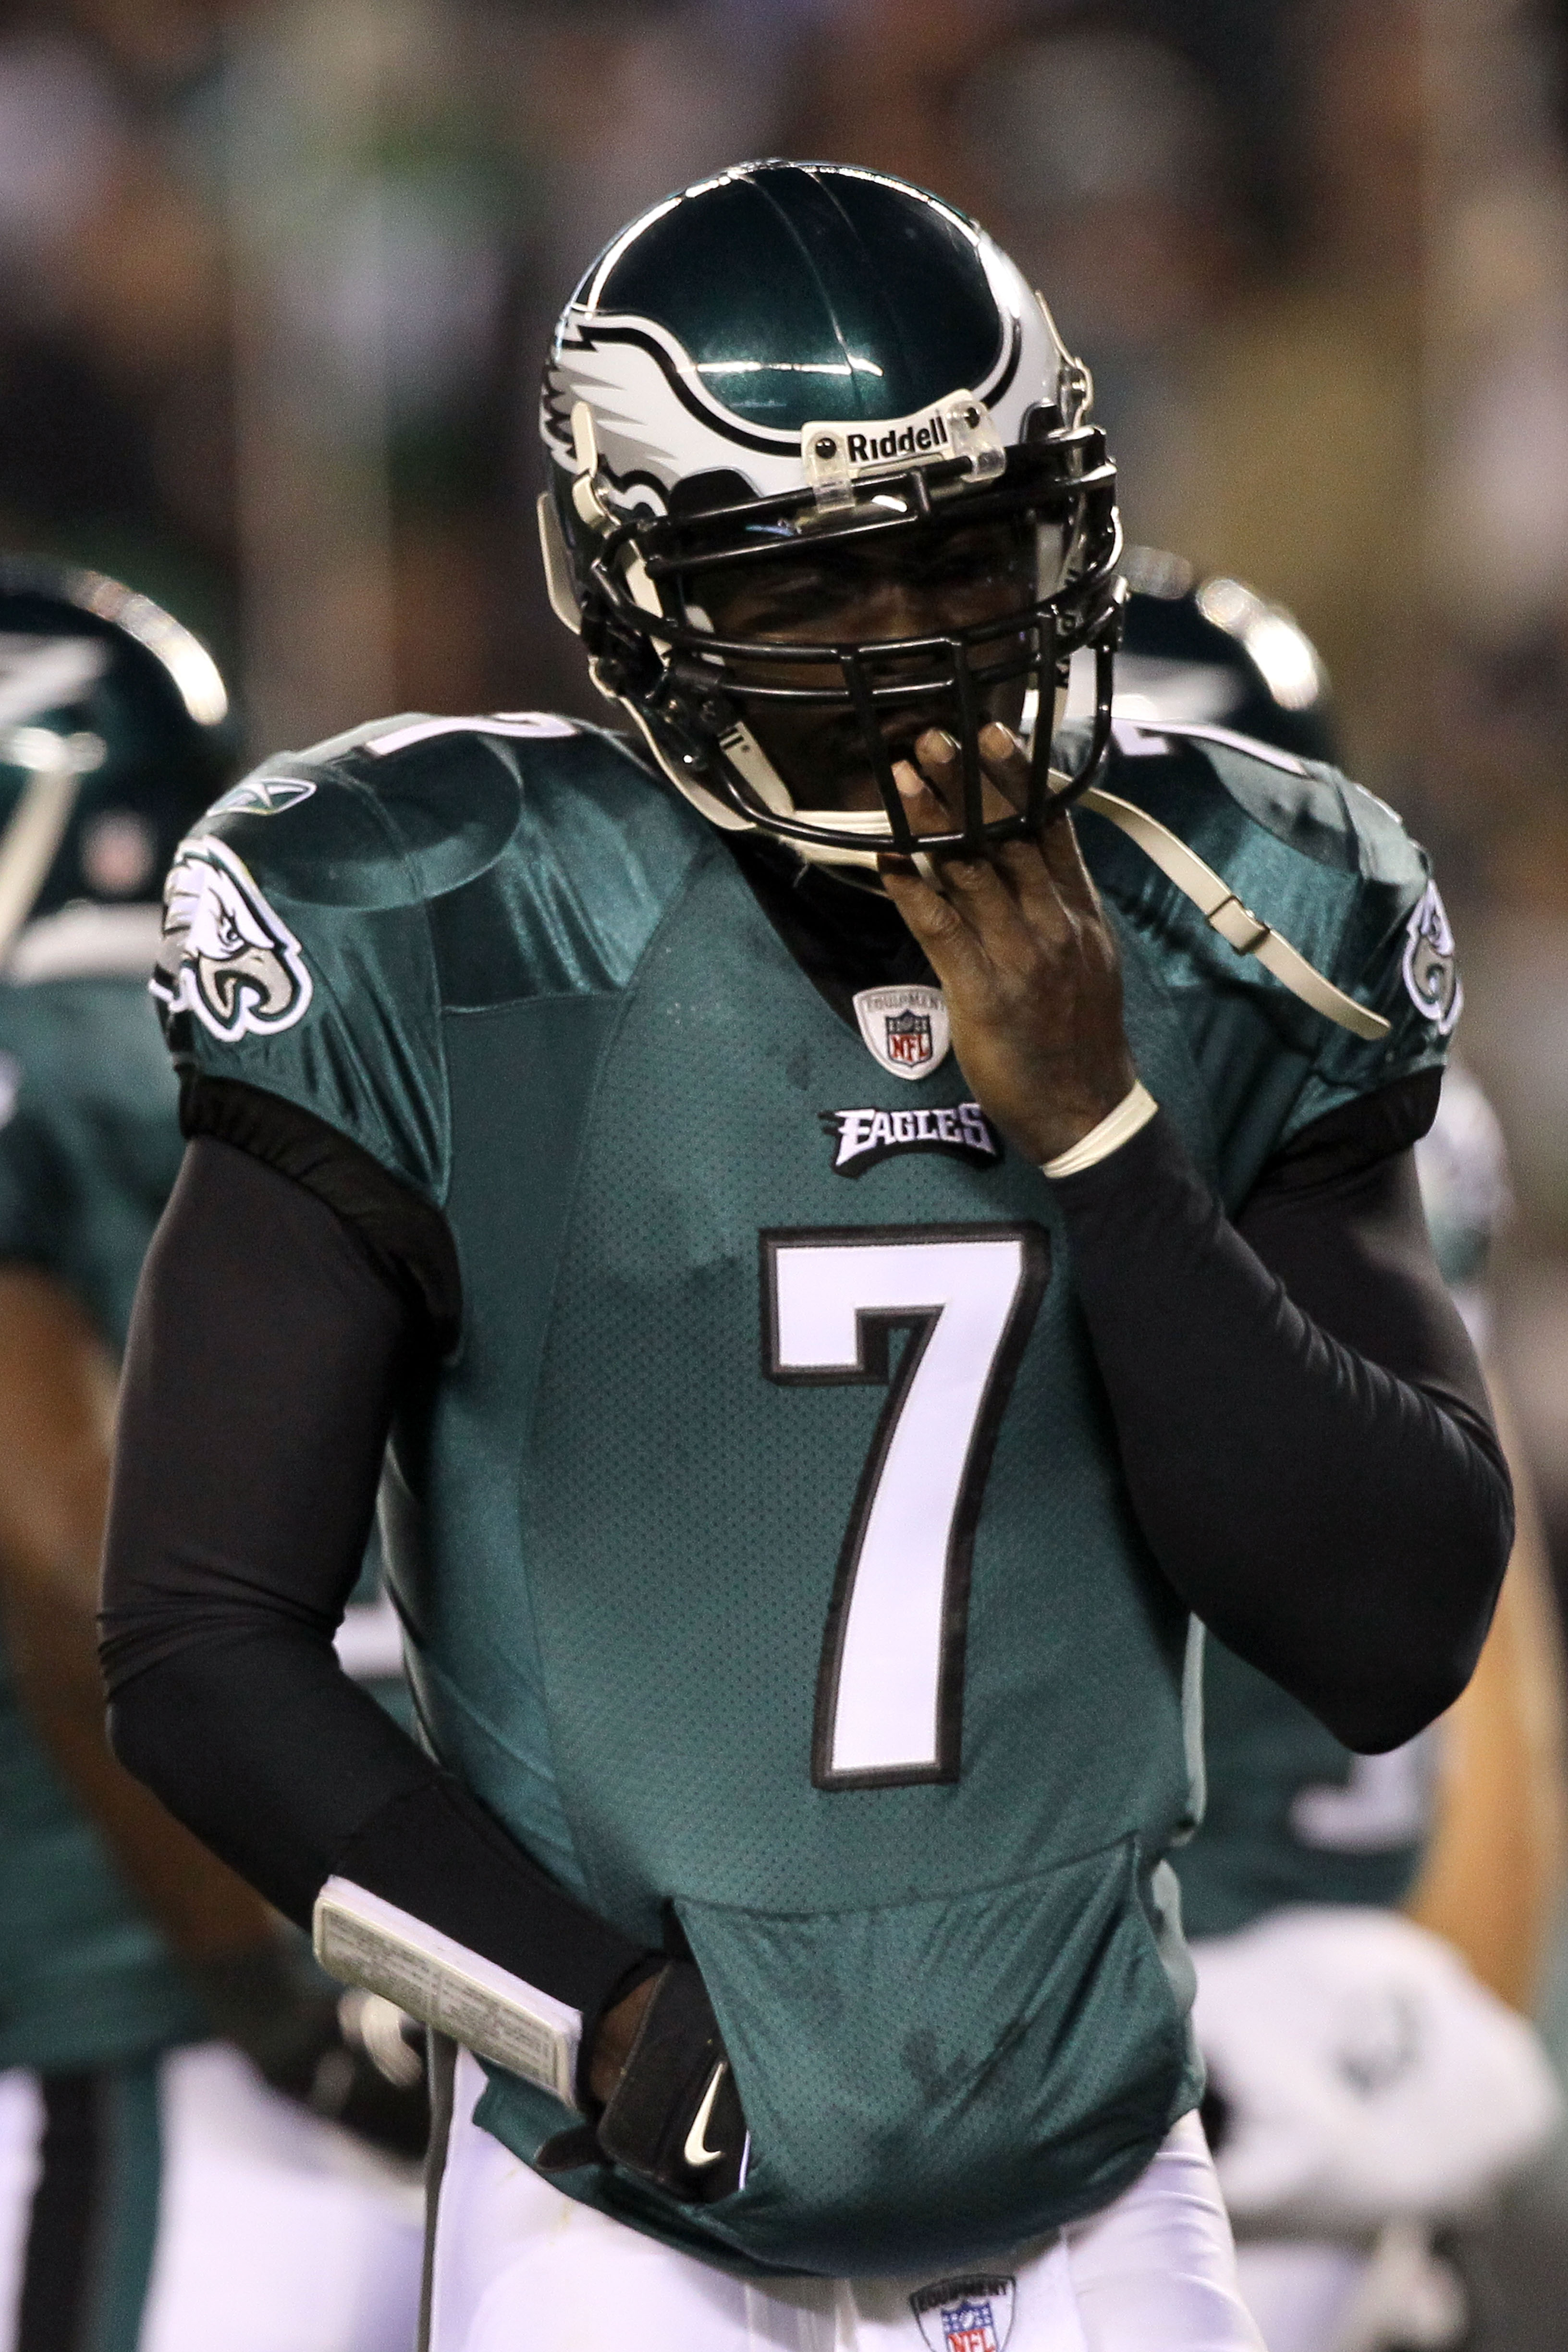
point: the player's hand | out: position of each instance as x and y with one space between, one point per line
1020 944
671 2113
618 2029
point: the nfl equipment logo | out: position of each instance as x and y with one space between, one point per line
908 1037
965 2315
905 1028
969 2327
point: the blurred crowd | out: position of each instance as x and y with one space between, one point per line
276 277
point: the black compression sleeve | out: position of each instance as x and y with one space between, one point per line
408 1239
1301 1421
264 1354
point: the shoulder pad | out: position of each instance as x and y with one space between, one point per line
1174 768
1310 876
362 826
410 808
331 909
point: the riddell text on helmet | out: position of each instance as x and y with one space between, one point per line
866 448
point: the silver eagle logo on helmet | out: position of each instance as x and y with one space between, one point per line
776 359
227 955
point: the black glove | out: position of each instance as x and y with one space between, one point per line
350 2058
675 2118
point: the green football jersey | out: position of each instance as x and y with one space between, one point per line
762 1541
88 1148
1291 1816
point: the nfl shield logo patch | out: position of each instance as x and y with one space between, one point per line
906 1028
965 2315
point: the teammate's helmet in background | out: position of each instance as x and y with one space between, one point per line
1214 653
787 356
112 740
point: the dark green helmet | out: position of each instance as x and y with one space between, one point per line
792 355
1214 653
113 739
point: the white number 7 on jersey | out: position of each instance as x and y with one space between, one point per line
890 1692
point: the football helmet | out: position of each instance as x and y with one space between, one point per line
1214 652
113 738
794 357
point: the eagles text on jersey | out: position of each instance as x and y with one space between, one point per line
762 1545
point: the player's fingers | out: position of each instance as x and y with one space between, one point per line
923 805
1058 860
971 885
952 950
942 764
1006 765
1004 759
1044 906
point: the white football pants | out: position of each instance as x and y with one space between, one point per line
239 2222
517 2267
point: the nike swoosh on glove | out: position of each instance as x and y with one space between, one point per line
675 2118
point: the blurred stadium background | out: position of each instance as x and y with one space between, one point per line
276 276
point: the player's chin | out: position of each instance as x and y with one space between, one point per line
852 779
829 767
827 763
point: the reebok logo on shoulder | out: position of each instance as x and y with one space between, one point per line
866 1136
263 797
225 955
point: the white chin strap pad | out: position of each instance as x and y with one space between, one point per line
746 755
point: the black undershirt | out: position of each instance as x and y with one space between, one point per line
1335 1508
840 947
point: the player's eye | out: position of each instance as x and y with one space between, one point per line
753 606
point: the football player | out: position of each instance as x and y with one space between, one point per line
153 2192
851 1255
1363 2088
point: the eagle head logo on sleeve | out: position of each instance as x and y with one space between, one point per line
226 956
1431 968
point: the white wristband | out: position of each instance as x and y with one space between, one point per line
1117 1128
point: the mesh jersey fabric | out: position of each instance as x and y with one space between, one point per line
89 1149
532 985
87 1153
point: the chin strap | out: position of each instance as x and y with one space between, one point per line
1236 925
1209 892
746 755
